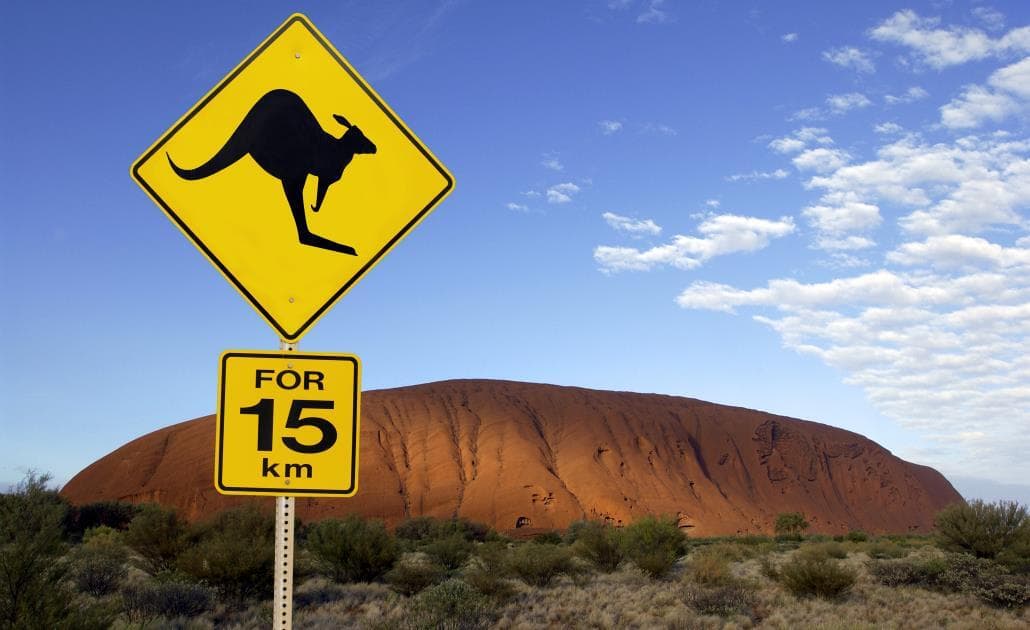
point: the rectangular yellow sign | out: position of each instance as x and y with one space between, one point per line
288 424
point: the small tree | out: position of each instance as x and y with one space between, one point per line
352 549
653 544
598 543
791 524
31 590
233 552
159 536
983 529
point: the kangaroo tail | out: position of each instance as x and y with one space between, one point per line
226 156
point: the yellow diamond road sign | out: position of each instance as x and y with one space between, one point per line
293 177
287 424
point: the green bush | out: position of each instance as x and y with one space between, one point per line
856 535
352 549
488 570
598 543
234 553
708 568
983 529
732 598
143 603
31 593
414 574
98 568
824 550
790 524
957 573
818 577
453 605
158 535
425 528
114 514
653 544
881 550
451 552
539 564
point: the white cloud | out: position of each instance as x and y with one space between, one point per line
911 95
841 103
517 207
713 203
943 47
658 129
809 113
850 57
821 160
845 243
636 227
946 354
562 193
550 161
789 38
842 213
758 175
888 128
955 251
966 186
1008 93
720 235
800 139
992 19
655 13
608 127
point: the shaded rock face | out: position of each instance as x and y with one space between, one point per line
519 455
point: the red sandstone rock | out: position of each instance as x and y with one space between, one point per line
505 453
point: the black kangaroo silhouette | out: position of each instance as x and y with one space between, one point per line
285 139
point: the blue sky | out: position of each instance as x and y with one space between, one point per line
814 209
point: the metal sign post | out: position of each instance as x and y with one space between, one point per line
282 580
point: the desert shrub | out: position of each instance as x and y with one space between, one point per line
983 529
99 563
819 538
598 543
451 552
818 577
147 601
752 539
539 565
352 549
548 538
1005 591
31 575
824 550
768 567
731 598
416 528
158 535
900 572
452 605
1016 557
856 535
653 544
425 528
234 553
414 573
708 568
488 570
956 573
881 550
317 592
114 514
790 524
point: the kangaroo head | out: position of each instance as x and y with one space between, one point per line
354 139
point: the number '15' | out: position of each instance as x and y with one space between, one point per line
265 409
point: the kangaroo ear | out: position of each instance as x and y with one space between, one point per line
340 119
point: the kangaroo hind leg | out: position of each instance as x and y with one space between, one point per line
294 190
